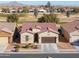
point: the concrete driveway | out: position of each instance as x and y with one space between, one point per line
77 48
49 48
3 45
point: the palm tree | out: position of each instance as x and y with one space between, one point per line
48 4
12 18
4 10
50 7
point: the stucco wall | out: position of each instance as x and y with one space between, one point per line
23 36
74 36
31 36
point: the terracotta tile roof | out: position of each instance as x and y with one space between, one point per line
71 26
41 26
8 27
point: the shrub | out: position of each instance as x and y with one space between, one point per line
49 18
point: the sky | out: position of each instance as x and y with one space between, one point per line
64 3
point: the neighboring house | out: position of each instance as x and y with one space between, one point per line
6 32
41 10
71 31
0 11
31 10
13 11
39 32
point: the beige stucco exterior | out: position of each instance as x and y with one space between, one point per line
30 37
6 37
74 36
43 34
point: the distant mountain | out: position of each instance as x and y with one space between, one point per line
11 4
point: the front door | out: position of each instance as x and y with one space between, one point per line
36 38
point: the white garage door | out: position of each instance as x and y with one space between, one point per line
3 43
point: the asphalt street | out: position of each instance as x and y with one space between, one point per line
63 55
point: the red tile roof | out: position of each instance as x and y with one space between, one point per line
8 27
41 26
71 26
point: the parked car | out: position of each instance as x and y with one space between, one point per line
76 43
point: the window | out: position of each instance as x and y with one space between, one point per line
30 29
27 38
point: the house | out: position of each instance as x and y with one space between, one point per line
6 32
43 34
41 10
39 33
31 10
71 31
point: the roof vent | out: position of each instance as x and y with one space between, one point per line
30 29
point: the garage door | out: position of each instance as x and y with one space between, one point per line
48 40
3 40
3 43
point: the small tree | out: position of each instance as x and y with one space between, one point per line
25 9
12 18
4 10
49 18
76 9
41 20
